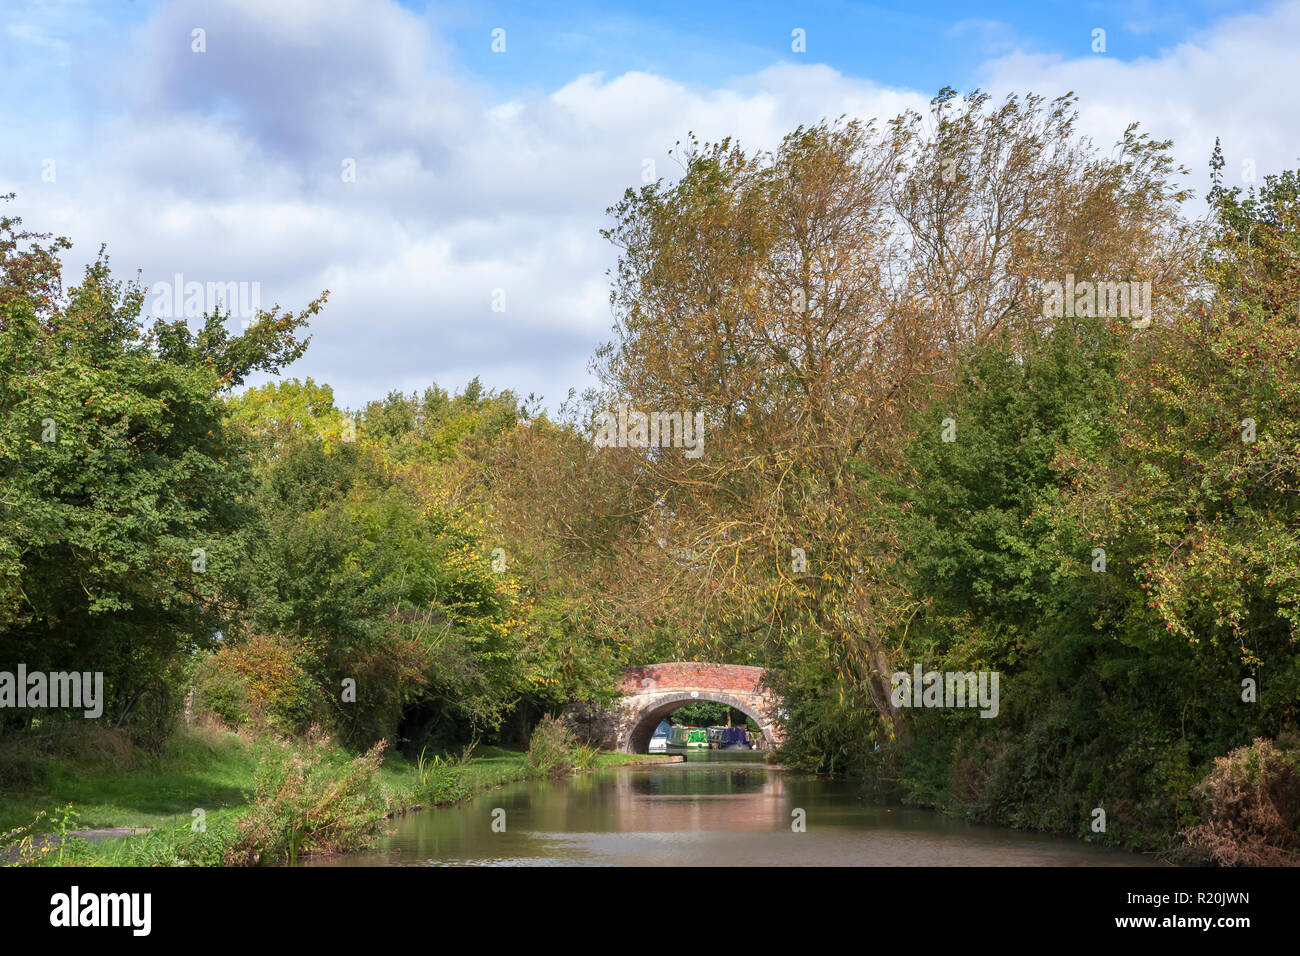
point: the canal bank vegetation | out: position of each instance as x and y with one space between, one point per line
913 457
217 797
555 751
304 600
209 797
914 460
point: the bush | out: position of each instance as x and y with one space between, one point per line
392 667
309 799
1251 801
28 756
442 780
177 845
222 693
264 681
554 750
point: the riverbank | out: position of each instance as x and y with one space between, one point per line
212 789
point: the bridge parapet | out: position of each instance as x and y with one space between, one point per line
731 678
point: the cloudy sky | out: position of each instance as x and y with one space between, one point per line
387 152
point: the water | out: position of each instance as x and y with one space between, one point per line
720 808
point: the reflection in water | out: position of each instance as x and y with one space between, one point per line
721 808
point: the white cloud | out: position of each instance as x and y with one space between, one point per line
1235 81
225 166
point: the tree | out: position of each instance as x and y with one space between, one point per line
124 494
806 302
1198 497
280 412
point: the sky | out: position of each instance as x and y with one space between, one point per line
444 169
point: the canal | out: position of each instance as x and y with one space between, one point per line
719 808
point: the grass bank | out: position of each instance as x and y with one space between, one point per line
258 799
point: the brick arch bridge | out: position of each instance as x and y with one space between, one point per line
652 691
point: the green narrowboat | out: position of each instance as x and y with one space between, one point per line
693 737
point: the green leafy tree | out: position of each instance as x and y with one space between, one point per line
280 412
124 495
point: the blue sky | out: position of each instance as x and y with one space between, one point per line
480 173
919 45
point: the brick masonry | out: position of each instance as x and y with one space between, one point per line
652 691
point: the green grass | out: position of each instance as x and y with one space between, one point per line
109 784
208 770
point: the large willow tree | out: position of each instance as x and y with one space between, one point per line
806 301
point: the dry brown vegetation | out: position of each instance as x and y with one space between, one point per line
1252 807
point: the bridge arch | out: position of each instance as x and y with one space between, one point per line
652 691
647 719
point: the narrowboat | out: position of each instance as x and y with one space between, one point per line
680 737
728 738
